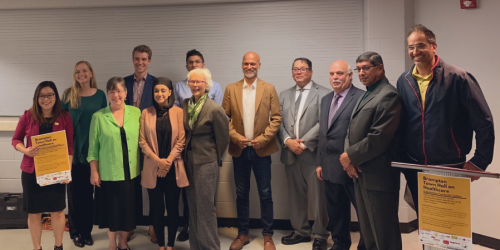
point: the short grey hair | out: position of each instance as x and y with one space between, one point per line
206 73
371 56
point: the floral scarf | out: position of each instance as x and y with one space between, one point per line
194 109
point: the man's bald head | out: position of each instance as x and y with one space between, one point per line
251 65
340 76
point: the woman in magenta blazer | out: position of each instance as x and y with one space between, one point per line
44 116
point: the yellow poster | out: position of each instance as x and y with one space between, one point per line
52 161
444 207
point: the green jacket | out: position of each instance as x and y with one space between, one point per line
105 143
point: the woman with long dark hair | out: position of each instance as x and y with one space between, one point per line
82 100
162 141
44 116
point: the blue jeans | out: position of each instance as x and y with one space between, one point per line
261 166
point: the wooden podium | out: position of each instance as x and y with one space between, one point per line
444 205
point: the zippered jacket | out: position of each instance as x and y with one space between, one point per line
454 107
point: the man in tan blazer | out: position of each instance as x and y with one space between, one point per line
253 108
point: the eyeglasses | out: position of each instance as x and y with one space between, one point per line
364 68
296 70
420 46
48 96
194 62
193 82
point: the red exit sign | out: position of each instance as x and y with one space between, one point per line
468 4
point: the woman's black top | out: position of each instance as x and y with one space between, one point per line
164 138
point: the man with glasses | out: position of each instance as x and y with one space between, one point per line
300 107
194 60
443 106
336 110
370 146
253 108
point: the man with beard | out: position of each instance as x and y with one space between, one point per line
253 107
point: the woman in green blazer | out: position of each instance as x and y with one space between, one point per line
114 162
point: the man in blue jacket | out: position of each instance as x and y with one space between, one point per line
140 83
442 106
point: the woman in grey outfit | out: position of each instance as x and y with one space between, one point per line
207 137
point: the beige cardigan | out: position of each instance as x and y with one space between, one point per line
149 144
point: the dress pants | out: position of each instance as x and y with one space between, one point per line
338 200
165 195
261 166
80 202
378 218
302 180
201 195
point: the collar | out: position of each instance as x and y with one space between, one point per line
253 86
144 78
344 92
373 86
307 87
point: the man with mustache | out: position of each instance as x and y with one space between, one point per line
253 108
298 134
443 107
371 145
336 110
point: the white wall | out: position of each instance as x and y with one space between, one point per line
469 40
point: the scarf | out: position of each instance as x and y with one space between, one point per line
194 109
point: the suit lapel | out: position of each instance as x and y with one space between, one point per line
147 91
348 99
126 115
369 97
203 112
292 101
239 95
259 93
186 118
312 94
110 116
325 109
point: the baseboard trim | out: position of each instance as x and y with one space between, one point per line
486 241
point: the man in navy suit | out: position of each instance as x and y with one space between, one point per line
336 110
140 83
139 94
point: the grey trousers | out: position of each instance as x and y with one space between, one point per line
201 196
302 180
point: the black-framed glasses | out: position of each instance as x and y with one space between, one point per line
296 70
48 96
364 68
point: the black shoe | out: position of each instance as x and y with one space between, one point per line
58 247
78 241
88 241
319 244
184 234
295 238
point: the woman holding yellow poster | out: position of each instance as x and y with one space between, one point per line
45 116
114 162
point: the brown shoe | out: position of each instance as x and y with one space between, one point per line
152 234
269 243
129 235
239 242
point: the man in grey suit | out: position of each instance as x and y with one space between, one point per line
371 144
298 134
337 108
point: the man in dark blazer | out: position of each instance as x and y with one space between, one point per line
298 134
371 145
337 107
140 83
139 94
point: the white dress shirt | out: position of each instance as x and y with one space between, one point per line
296 126
249 108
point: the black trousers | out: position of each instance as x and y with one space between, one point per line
185 211
80 202
338 201
165 195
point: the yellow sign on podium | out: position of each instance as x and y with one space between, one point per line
444 207
52 161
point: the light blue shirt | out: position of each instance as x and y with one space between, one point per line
182 91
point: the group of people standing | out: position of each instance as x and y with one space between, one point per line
337 147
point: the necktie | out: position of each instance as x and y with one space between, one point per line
333 109
297 102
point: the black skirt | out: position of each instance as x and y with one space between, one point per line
114 202
37 199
